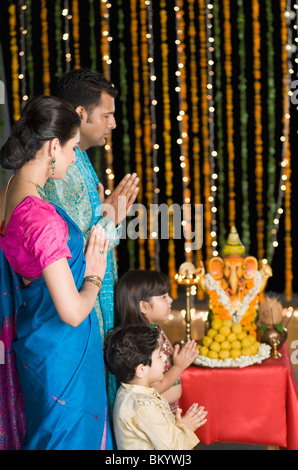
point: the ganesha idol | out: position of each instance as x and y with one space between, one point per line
235 284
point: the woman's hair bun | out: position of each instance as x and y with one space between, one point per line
13 154
43 118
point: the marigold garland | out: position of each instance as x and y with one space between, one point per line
219 115
46 77
76 33
147 143
245 236
134 28
259 171
287 156
195 127
14 62
227 27
183 140
205 128
167 143
154 144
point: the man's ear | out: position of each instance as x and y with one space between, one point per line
140 371
81 112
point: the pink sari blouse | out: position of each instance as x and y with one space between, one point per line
35 237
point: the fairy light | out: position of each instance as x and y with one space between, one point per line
66 35
106 39
22 7
152 190
182 119
292 20
211 110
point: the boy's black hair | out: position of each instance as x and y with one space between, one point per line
127 347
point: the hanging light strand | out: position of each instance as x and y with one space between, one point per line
22 46
134 27
283 205
167 142
105 41
153 191
205 88
194 127
211 118
66 35
182 118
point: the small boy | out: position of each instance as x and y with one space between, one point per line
142 418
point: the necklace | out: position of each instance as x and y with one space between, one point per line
37 186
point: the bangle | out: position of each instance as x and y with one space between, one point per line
96 280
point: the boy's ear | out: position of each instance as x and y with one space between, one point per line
140 371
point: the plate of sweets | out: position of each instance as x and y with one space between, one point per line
227 344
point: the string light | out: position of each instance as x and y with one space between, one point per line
284 193
134 28
106 39
182 118
22 54
211 110
167 140
66 35
206 88
154 144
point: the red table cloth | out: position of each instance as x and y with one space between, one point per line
254 405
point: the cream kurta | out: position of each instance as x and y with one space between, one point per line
143 421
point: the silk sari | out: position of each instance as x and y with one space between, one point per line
60 367
77 194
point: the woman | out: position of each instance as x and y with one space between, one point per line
58 345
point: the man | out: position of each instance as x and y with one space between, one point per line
80 194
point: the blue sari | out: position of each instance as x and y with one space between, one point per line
77 194
61 368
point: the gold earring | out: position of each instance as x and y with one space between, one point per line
53 165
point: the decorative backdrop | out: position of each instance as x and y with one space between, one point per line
206 110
